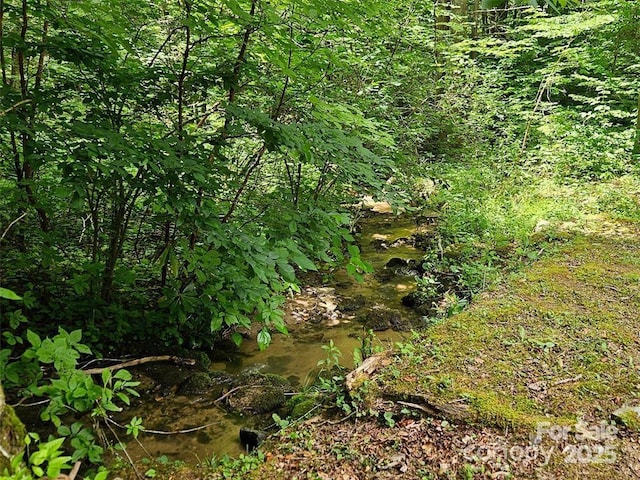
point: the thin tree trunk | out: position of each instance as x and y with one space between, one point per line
636 146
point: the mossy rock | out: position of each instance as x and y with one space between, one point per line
421 302
196 384
202 359
299 405
258 393
199 383
12 432
380 319
351 304
303 408
628 417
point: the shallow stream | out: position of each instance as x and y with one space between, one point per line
319 314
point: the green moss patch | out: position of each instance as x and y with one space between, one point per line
558 342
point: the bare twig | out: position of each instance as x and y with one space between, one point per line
21 102
164 432
336 422
416 406
232 391
84 226
6 230
72 474
567 380
34 404
131 462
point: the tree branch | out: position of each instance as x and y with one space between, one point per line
140 361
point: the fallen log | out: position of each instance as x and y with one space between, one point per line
140 361
453 411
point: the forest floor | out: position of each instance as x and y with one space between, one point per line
523 384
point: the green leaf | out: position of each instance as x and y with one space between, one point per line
111 407
303 261
83 348
56 465
106 376
236 338
216 322
264 339
101 475
33 339
123 375
9 294
287 271
354 251
75 336
235 7
124 398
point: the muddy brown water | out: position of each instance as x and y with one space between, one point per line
314 318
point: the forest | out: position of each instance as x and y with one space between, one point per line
174 173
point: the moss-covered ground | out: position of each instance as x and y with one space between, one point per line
520 385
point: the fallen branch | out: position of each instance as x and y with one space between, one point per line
452 411
140 361
365 370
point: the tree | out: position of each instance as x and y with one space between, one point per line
205 156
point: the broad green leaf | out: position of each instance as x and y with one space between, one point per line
75 336
216 322
9 294
237 338
264 339
123 375
303 261
34 339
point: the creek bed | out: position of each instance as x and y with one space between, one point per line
315 317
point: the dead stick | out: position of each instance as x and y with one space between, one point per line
568 380
72 474
75 470
234 390
416 406
140 361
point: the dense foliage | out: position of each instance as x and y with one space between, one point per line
168 169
